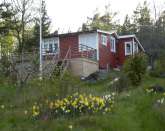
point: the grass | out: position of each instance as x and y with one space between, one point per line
134 110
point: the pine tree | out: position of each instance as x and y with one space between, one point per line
143 26
127 27
103 22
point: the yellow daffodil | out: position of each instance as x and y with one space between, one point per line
70 127
2 106
25 112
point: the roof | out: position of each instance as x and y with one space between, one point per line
109 32
69 34
126 36
80 32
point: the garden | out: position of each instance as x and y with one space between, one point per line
72 104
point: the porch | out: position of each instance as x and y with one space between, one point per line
81 60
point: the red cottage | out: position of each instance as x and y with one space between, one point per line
89 51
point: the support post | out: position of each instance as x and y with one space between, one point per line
40 67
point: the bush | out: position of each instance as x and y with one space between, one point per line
135 68
122 84
4 66
159 68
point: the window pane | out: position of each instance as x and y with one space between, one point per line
51 48
112 44
103 39
55 47
128 48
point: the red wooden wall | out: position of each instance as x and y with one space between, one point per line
106 57
66 42
104 52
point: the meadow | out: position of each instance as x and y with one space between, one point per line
134 109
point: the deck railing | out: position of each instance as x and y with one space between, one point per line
77 51
88 52
81 51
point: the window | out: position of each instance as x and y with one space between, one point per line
113 44
50 46
104 39
46 46
128 48
55 47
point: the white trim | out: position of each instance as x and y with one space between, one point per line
97 46
126 36
112 49
139 44
108 32
126 43
136 48
46 41
103 39
58 45
133 46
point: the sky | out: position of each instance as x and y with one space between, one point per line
68 15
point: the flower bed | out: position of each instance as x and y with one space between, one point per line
75 104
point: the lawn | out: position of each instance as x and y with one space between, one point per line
134 109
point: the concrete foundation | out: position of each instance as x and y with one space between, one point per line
83 67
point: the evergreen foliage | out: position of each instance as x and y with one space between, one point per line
135 68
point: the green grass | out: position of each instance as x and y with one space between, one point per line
134 110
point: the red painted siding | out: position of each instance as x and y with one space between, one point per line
66 42
104 53
121 50
113 56
106 57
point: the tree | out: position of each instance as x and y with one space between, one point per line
144 28
98 21
159 35
6 37
46 22
135 67
5 18
127 27
142 18
22 16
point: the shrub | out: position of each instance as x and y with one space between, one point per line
4 66
122 84
135 68
159 67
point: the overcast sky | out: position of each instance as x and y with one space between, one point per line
70 14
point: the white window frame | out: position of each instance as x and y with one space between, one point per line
136 47
113 44
128 43
46 46
104 40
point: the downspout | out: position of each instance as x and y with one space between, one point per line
133 44
59 53
97 46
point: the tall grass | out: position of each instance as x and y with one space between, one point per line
134 110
